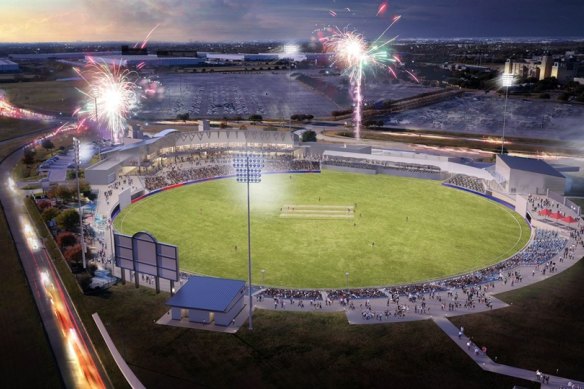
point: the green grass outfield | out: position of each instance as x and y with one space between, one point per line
421 229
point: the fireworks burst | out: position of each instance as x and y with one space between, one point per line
352 53
111 96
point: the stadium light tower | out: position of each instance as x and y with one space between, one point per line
290 51
506 81
248 169
347 276
76 144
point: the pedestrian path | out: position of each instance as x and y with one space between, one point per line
481 358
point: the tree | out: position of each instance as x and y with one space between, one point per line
300 117
256 118
44 204
49 214
309 136
73 254
373 123
65 193
29 155
68 220
47 144
183 116
66 239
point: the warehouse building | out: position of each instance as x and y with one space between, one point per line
7 66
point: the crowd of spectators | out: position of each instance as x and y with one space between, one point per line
189 168
121 183
174 175
467 182
538 203
298 294
355 294
545 246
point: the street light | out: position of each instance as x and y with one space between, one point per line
76 144
263 272
506 81
248 169
347 276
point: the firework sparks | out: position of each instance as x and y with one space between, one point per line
352 53
382 8
413 76
145 42
111 96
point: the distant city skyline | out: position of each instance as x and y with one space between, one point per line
246 20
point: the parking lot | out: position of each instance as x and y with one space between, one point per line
483 114
270 94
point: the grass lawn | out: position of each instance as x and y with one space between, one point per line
421 230
53 96
10 128
285 350
542 329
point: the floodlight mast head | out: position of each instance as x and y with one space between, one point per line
248 168
291 49
507 80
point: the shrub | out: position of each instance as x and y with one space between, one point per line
66 239
68 220
49 214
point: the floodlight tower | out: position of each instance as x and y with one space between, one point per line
290 50
76 144
506 81
248 169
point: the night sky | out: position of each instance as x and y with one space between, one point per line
239 20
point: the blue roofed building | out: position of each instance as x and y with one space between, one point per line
207 299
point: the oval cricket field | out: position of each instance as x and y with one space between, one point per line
309 230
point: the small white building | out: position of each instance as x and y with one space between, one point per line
528 176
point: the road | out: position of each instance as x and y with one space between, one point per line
76 357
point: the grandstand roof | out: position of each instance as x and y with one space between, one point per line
207 294
530 165
165 132
131 146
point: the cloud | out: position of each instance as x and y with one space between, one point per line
212 20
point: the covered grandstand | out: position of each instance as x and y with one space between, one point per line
149 155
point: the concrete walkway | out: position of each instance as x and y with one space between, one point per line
488 364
